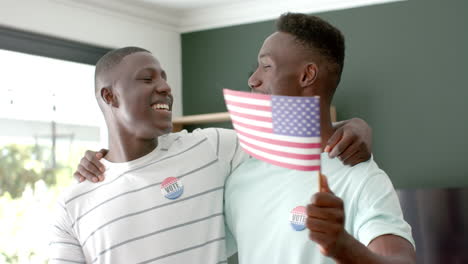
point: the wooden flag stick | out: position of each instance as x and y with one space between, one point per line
320 180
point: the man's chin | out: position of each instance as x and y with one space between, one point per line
164 129
168 129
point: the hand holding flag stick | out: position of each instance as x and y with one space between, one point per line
326 219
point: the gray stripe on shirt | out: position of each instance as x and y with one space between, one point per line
155 233
62 206
183 250
141 189
146 165
150 209
217 142
65 243
61 230
233 156
68 260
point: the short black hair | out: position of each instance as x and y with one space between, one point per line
112 59
316 34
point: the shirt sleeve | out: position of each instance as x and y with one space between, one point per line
231 244
379 210
64 248
226 146
231 151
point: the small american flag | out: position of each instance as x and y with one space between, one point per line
281 130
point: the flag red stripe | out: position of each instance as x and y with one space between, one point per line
283 154
249 106
280 142
285 165
261 129
250 95
256 118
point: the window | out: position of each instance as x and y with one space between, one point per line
48 118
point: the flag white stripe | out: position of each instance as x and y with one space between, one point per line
251 121
304 151
247 100
281 159
243 110
277 137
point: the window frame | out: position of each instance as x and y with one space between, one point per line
48 46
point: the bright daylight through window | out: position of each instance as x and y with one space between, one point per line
48 118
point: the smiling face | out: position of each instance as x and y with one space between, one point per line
141 98
280 66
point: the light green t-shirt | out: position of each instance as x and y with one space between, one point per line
259 198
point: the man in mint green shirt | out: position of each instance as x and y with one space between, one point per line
259 198
360 221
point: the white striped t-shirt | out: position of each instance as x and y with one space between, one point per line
127 219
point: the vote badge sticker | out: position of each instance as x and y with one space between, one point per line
298 218
172 188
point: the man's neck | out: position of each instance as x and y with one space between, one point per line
124 147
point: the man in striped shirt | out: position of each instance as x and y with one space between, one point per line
162 200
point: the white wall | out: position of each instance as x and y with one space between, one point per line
99 27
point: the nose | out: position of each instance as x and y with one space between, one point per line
254 82
163 88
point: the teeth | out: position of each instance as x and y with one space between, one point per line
161 106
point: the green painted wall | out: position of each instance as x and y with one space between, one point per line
406 73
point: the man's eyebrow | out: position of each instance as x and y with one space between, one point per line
152 69
147 69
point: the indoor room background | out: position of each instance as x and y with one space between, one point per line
405 74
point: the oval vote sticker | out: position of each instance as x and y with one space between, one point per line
298 218
172 188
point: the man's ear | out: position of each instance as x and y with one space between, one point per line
309 75
109 97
